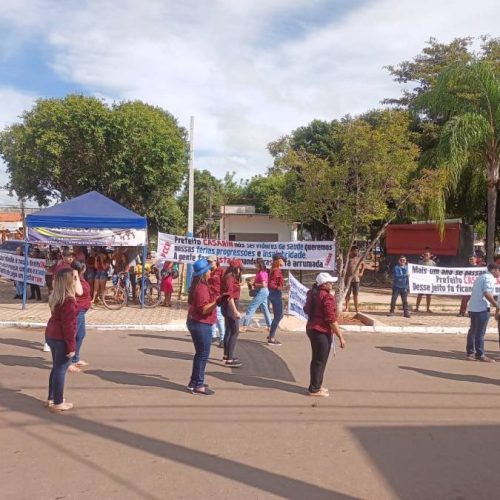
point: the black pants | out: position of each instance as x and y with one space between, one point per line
404 297
232 331
321 344
35 290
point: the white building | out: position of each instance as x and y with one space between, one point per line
241 223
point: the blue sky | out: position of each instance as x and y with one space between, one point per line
249 71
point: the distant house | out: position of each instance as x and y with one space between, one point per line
241 223
11 225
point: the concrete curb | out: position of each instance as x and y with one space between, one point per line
180 327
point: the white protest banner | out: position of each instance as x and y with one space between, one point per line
310 255
12 267
85 236
296 298
445 280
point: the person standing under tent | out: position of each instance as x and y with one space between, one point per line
201 316
215 283
101 276
60 335
259 284
231 290
321 309
276 284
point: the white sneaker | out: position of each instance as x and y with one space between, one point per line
46 347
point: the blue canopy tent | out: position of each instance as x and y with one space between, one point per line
90 219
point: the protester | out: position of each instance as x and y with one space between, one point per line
101 276
167 282
466 298
259 283
231 289
83 301
321 309
60 335
356 277
120 266
479 312
276 284
19 284
201 316
65 261
90 265
426 260
215 283
35 289
400 286
50 263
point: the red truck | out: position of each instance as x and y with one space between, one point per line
452 249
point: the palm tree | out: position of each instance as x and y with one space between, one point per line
466 99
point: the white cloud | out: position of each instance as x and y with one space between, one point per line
230 64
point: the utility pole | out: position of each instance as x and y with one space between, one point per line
190 230
23 217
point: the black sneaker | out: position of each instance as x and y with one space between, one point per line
234 363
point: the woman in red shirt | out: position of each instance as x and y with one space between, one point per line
60 334
230 288
276 284
201 316
83 301
321 309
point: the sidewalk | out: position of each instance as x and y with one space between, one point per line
373 306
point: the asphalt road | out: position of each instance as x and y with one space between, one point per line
408 418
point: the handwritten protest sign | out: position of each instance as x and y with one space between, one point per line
310 255
12 267
445 280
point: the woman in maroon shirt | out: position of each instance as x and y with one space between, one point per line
201 316
321 309
230 288
83 301
60 334
276 284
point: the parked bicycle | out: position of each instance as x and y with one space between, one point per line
120 294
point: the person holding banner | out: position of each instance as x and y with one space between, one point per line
426 260
201 316
321 309
231 289
466 298
276 284
261 296
479 312
400 286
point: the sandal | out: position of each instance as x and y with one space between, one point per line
273 342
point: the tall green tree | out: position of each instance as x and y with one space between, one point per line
370 175
467 98
132 152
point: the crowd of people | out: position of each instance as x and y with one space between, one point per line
214 313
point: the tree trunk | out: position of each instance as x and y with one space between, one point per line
492 210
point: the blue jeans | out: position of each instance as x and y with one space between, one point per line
60 363
80 334
201 333
260 300
19 288
477 331
277 303
220 325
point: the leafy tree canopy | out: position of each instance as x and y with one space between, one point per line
132 152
